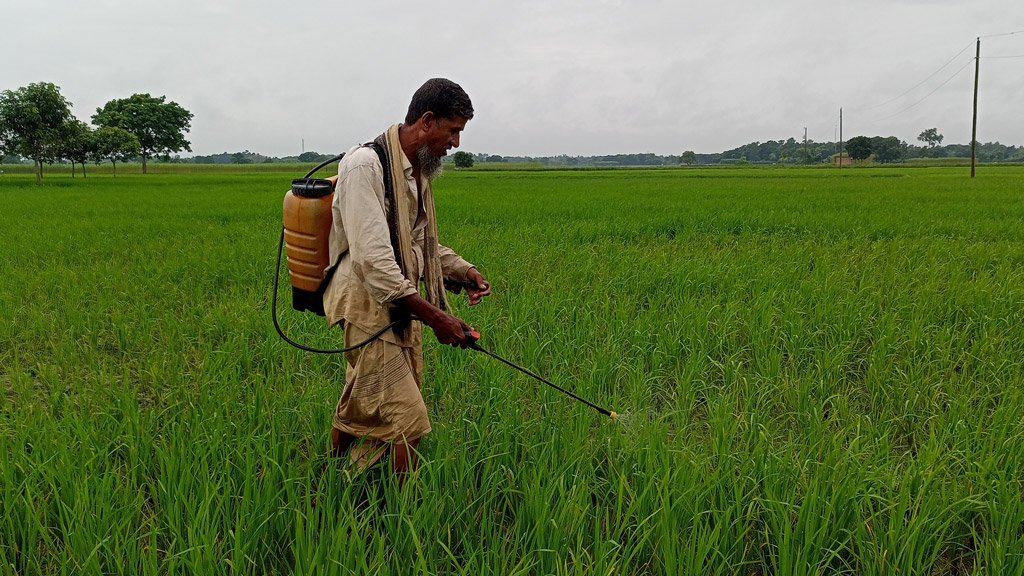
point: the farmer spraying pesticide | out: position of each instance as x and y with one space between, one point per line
383 240
358 248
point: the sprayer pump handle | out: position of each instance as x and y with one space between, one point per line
471 338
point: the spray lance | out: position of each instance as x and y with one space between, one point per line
305 235
473 337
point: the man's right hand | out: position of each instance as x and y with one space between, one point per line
452 331
448 329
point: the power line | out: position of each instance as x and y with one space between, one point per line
1003 34
911 89
955 74
929 77
939 69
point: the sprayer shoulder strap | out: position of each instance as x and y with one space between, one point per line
392 209
390 201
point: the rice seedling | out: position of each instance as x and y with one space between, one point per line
815 373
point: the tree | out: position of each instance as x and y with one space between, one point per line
931 136
31 119
77 144
463 159
688 158
887 150
159 126
808 154
309 156
859 147
115 144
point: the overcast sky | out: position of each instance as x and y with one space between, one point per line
546 78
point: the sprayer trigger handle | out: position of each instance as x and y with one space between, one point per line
471 337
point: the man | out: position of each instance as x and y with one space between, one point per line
383 240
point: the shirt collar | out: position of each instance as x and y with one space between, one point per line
406 165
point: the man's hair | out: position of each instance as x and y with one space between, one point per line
444 98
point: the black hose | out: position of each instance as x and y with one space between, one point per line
273 313
325 163
471 337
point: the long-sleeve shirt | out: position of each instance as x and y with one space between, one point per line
368 279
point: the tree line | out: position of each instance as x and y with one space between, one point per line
643 159
891 149
881 149
36 123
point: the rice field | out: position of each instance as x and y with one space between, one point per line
818 371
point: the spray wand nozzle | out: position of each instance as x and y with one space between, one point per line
472 341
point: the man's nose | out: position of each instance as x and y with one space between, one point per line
455 141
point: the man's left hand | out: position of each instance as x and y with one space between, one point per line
483 287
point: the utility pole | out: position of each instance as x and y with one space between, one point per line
303 145
807 157
840 138
974 124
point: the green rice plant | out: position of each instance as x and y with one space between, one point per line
818 373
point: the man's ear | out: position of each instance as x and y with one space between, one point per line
427 120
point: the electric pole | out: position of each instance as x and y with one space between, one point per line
840 138
807 157
974 123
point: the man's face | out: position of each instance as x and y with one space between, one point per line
443 135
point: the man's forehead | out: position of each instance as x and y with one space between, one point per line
456 122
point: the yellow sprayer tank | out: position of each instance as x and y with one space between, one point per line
307 229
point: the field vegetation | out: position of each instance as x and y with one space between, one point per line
819 372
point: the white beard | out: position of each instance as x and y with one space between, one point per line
431 165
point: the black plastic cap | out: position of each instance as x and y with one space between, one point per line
304 300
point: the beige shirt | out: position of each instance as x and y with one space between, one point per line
368 278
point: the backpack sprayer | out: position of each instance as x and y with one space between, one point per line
305 237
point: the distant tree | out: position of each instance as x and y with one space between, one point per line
931 136
859 147
689 158
309 156
159 126
463 159
241 158
994 152
494 158
77 144
116 145
888 150
805 154
31 119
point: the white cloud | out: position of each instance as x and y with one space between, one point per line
546 77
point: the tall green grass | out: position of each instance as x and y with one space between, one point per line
819 372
